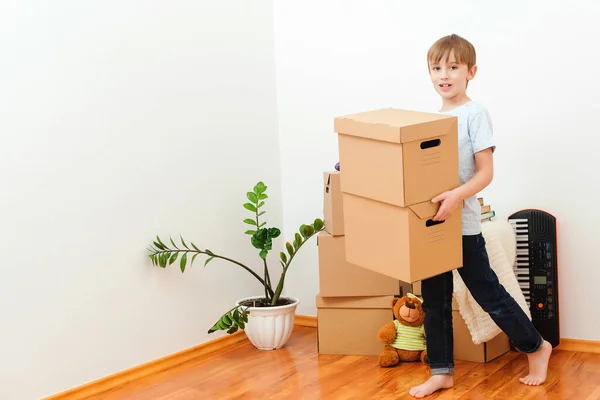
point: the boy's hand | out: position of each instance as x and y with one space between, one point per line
449 201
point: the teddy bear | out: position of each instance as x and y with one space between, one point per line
404 337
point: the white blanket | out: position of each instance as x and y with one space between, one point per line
501 247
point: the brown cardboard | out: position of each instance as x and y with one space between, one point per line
333 209
349 325
414 288
339 278
466 350
399 157
401 242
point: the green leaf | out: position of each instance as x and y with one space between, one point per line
163 259
318 224
250 207
194 246
263 224
263 254
173 243
305 230
233 329
208 252
183 242
262 196
159 246
173 258
161 243
250 221
309 230
236 315
260 188
258 239
250 232
193 258
183 262
274 232
261 213
283 257
290 248
208 260
252 197
262 203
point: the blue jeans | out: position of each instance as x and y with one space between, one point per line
485 288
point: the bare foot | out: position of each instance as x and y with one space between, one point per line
538 365
436 382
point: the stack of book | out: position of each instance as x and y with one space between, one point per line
486 211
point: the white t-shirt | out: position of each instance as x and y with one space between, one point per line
475 133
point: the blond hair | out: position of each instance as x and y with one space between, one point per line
463 50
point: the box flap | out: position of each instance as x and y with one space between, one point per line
425 210
387 124
354 302
428 209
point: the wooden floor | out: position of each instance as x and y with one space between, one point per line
298 372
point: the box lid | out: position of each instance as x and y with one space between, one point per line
355 302
395 125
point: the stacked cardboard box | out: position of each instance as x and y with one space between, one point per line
394 162
381 239
353 302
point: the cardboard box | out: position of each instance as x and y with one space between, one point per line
349 325
401 242
339 278
333 209
466 350
397 156
414 288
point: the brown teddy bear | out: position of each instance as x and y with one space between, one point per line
405 336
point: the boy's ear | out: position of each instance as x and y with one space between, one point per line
472 72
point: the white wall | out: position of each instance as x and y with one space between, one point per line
119 121
538 78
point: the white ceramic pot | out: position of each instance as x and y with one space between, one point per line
269 328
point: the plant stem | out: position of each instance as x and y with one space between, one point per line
279 288
267 279
267 286
266 268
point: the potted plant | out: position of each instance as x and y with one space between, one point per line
267 319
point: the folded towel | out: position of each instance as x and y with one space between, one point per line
501 247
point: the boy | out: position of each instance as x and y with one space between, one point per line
451 62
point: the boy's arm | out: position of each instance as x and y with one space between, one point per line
480 127
484 174
484 164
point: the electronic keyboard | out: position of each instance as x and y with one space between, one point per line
536 268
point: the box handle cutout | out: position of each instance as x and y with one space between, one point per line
430 143
431 222
328 183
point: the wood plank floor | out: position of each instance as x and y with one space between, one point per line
298 372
